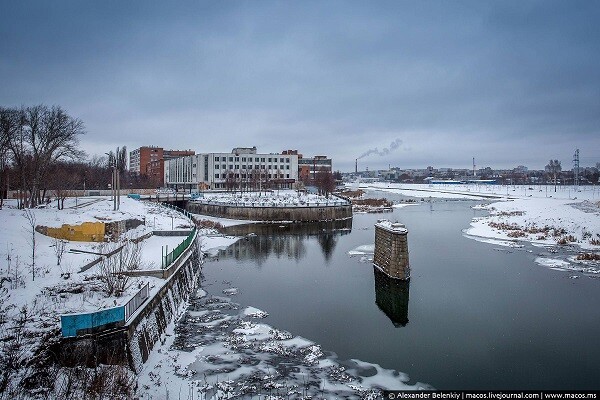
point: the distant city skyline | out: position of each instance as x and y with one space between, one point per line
406 84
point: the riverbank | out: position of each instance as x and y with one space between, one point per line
566 222
522 213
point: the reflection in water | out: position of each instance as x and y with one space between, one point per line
391 296
304 228
327 242
283 240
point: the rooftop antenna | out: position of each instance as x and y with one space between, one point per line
356 166
474 167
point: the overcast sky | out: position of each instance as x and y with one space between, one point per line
506 82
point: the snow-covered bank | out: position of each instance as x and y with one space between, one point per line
486 192
541 221
35 290
567 219
28 283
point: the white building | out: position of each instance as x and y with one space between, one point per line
242 168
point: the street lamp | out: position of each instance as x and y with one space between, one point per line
114 180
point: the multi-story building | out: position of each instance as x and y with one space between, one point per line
150 161
310 166
242 168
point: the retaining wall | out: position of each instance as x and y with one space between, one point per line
90 231
85 232
297 214
131 344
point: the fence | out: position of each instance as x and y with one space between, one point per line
80 324
180 210
172 256
136 301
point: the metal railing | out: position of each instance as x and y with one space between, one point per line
168 259
180 210
136 301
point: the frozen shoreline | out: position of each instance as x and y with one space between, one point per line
563 220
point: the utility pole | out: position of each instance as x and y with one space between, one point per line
576 169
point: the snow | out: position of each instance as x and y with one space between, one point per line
542 221
63 289
156 247
491 192
566 212
281 198
391 226
362 250
213 242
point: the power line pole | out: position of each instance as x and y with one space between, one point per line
576 168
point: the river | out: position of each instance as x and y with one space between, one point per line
474 315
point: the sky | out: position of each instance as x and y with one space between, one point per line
395 83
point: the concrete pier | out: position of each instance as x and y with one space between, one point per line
391 249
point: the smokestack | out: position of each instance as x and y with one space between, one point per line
356 166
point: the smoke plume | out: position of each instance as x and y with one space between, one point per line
393 146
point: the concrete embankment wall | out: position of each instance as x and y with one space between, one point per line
298 214
132 343
149 323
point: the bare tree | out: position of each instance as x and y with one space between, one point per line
325 182
31 222
59 249
230 181
37 137
112 267
554 169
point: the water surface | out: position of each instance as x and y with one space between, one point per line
474 316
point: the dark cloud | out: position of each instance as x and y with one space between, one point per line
509 83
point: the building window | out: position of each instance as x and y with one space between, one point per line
243 159
237 159
287 160
237 166
243 166
223 166
230 158
281 160
217 166
262 159
217 176
216 158
287 175
287 167
230 166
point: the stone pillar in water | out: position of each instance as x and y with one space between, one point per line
391 249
